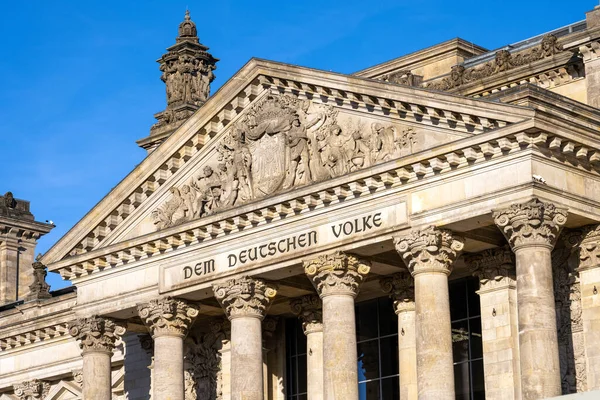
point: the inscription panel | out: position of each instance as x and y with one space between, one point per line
237 256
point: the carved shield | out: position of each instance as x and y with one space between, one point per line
268 163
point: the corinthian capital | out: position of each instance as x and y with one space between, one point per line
96 333
31 390
337 273
533 223
589 248
429 250
168 316
401 288
245 297
309 310
495 268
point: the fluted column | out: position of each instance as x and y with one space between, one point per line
246 302
429 255
309 310
495 269
589 280
401 288
337 278
97 337
168 321
531 230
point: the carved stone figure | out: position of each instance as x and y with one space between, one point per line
337 151
32 390
9 200
39 289
384 141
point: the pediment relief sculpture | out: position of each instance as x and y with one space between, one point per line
282 142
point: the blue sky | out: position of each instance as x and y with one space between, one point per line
79 82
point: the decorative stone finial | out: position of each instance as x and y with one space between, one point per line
337 273
533 223
39 289
401 288
429 250
309 310
245 297
96 334
168 316
31 390
187 29
494 267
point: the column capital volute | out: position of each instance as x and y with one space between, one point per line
245 297
401 288
309 310
96 334
495 268
33 389
429 250
168 316
337 273
531 224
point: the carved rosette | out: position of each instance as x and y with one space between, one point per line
245 297
589 248
337 273
309 310
96 334
401 288
31 390
533 223
168 316
429 250
495 268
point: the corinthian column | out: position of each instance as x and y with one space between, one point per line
97 337
246 302
429 255
500 334
337 278
308 309
168 321
401 288
531 230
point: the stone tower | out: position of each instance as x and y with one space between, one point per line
20 276
187 70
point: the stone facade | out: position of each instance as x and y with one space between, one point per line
296 194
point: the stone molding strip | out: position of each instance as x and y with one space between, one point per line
389 175
34 336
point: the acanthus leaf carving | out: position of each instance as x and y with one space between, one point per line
309 310
96 333
282 142
245 297
168 316
32 390
337 273
495 268
401 288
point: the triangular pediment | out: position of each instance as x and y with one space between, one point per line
270 129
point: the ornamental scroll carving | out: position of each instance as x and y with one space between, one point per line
567 297
168 316
337 273
203 369
32 390
309 310
429 250
531 223
495 268
282 142
401 288
504 61
96 333
245 297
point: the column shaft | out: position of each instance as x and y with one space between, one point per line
434 338
168 368
314 364
538 342
97 375
246 359
407 354
339 348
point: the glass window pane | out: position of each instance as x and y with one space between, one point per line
460 341
458 300
478 380
300 339
476 344
368 360
474 306
390 388
389 356
366 320
461 381
388 320
368 390
302 374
